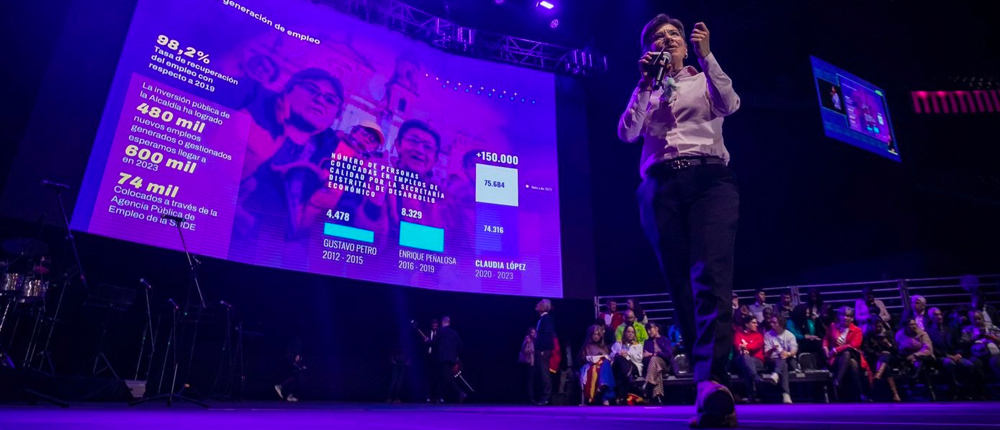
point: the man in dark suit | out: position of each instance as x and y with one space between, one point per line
545 342
448 345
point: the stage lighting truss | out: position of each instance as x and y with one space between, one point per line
456 39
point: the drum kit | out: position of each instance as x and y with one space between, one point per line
24 284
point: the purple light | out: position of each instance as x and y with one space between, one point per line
554 23
498 1
545 4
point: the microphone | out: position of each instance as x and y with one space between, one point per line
176 219
143 282
661 67
54 185
223 303
173 303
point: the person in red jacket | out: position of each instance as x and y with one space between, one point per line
842 345
749 345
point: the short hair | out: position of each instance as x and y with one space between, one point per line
419 125
846 310
782 321
545 305
787 293
918 298
435 321
745 320
654 24
651 324
445 320
315 74
758 291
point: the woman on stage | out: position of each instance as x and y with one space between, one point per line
688 200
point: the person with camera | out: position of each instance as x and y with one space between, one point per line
689 202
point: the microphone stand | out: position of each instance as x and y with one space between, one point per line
172 341
152 336
46 353
172 352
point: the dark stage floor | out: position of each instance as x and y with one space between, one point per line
347 416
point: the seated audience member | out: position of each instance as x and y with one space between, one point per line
657 354
632 321
914 346
990 316
868 305
810 321
626 356
676 340
759 304
636 307
917 311
982 342
785 307
741 314
608 333
765 324
596 377
947 350
749 360
781 350
612 317
843 351
880 348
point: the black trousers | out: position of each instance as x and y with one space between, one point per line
540 375
433 379
690 217
447 379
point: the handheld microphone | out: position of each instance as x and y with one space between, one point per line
661 62
223 303
54 185
176 219
174 304
143 282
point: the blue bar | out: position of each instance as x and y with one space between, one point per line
421 237
350 233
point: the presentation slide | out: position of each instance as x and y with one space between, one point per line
854 111
289 135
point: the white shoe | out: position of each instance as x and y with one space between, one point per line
291 398
278 389
786 399
773 377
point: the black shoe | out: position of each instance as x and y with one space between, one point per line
657 400
542 403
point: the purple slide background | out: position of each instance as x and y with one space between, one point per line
387 79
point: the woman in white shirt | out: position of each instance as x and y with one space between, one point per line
627 357
689 200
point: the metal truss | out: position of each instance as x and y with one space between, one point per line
453 38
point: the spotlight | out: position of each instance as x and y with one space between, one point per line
554 23
498 1
545 4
